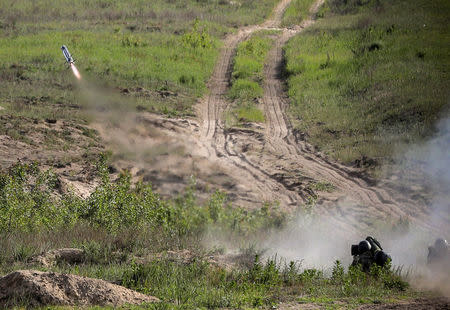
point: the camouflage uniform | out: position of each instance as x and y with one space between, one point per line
367 258
439 255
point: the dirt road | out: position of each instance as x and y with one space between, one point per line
271 163
261 163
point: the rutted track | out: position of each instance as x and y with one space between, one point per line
262 163
276 165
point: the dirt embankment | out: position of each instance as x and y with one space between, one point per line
37 288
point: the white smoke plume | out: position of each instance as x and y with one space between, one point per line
318 241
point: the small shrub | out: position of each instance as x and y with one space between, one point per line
337 275
268 273
311 275
197 39
291 273
132 41
395 283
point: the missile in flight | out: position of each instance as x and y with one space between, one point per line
67 55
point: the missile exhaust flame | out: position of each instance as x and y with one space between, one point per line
75 71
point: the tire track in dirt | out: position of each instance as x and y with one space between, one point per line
279 134
261 163
278 157
220 142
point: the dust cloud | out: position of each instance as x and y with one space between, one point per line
315 241
318 240
432 159
115 118
153 148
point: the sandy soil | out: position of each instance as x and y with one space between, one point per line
37 288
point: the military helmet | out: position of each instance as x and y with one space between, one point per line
381 258
440 244
364 246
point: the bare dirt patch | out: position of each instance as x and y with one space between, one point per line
36 288
421 303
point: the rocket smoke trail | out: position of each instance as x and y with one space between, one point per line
75 71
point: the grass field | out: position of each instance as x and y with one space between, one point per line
120 224
247 79
162 45
297 11
370 76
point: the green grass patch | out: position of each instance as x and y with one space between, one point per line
296 12
250 113
199 284
33 67
135 15
247 78
322 186
245 90
370 76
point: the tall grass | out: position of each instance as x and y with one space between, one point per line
296 12
370 76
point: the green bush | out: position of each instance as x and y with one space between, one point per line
197 39
25 206
28 203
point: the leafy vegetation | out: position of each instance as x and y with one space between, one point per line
119 224
370 76
27 204
247 78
